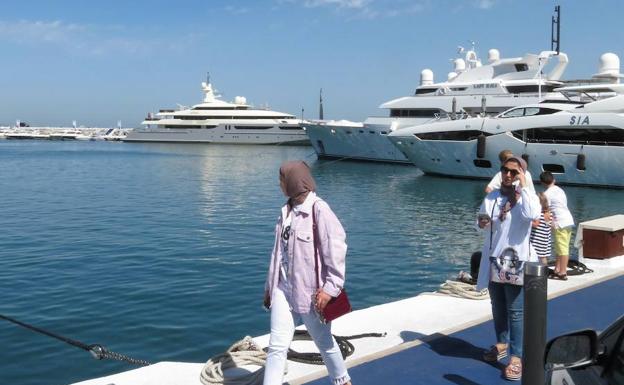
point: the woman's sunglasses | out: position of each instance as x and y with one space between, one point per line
505 170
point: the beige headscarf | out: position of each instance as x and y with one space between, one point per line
298 181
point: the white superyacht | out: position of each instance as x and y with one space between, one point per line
471 88
217 121
581 142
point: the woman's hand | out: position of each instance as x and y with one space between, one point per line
322 299
267 300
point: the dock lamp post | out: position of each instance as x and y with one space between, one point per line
534 340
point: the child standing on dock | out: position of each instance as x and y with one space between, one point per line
541 232
563 223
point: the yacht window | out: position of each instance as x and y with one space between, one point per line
415 112
521 67
420 91
459 88
482 163
290 128
554 168
531 111
529 88
252 127
604 136
451 135
221 117
516 112
182 126
217 108
166 111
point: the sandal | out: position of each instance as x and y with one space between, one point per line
561 277
493 354
513 371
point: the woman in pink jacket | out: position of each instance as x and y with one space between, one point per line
291 287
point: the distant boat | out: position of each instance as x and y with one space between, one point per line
218 121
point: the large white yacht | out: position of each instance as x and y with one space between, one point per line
218 121
471 88
580 142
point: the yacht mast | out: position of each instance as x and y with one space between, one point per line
321 105
555 41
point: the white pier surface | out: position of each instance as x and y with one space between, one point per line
407 323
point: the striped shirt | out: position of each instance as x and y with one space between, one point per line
541 238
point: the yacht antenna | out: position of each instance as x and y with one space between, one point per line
555 30
207 77
301 113
321 105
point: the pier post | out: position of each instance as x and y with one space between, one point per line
534 340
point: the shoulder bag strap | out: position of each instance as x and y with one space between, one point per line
316 247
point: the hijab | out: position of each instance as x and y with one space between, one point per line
298 181
510 192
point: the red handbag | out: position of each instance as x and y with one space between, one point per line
337 306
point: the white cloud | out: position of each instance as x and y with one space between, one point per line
366 9
486 4
79 39
354 4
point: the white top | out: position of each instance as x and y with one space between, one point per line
558 203
495 183
611 224
514 231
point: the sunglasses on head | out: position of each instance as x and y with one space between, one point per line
505 170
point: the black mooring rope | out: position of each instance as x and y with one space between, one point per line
97 351
346 347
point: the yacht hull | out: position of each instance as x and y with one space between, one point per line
219 135
362 142
604 165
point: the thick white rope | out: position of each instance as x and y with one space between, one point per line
463 290
243 352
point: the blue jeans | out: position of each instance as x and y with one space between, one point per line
508 312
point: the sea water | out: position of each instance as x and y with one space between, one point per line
160 251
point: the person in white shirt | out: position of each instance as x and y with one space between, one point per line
563 223
506 215
495 183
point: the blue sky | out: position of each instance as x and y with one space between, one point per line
102 61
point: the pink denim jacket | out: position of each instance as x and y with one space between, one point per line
332 248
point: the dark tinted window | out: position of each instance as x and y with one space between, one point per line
590 136
252 127
450 135
414 113
420 91
520 67
531 88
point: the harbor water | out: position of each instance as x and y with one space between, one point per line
159 251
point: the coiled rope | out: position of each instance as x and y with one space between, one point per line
247 352
97 351
462 290
243 352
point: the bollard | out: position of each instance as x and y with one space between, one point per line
534 340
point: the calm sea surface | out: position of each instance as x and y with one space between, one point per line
159 251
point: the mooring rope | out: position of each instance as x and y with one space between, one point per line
462 290
247 352
97 351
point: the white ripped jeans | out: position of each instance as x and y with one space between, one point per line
283 322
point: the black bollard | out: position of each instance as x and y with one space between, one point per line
534 340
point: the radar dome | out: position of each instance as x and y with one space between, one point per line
609 65
451 76
426 77
240 100
493 55
460 65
